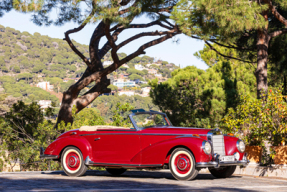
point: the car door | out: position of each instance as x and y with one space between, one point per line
116 146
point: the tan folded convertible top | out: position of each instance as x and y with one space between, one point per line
97 127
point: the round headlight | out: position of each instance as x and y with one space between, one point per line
206 147
240 146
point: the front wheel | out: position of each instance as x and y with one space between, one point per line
222 172
116 172
182 164
72 162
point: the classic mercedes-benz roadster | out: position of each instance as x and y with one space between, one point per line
151 143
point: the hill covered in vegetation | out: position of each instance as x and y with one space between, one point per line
26 60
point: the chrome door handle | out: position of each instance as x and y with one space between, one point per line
97 139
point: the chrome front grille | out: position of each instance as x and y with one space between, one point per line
218 144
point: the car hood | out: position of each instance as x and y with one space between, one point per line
176 130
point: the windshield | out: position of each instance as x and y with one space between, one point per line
150 120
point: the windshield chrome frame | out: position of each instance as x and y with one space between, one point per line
147 112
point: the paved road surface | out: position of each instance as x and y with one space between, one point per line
142 181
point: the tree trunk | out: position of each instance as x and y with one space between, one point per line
284 92
262 58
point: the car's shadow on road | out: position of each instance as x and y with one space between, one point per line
103 181
148 174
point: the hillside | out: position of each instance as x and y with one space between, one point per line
26 60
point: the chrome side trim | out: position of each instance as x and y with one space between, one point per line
49 156
157 134
89 162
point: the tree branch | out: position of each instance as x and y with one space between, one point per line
139 51
67 38
276 13
226 55
230 47
107 46
155 33
119 29
277 33
111 42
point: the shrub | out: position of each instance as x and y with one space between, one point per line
256 120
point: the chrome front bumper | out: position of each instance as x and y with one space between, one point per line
44 156
217 163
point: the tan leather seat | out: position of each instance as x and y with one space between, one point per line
97 127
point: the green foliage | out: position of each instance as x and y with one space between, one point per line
210 18
23 132
88 117
120 117
256 121
26 91
134 77
107 104
193 97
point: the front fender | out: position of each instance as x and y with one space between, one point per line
58 145
158 152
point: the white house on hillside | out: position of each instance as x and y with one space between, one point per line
128 93
45 85
121 83
139 67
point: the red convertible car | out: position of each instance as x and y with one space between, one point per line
151 143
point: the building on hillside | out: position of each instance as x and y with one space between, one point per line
139 67
106 63
45 85
45 103
66 80
127 93
152 71
148 65
145 91
120 83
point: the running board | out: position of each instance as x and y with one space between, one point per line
91 163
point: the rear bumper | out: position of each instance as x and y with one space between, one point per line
217 163
44 156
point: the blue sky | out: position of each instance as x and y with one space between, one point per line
179 50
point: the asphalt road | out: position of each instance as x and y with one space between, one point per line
134 181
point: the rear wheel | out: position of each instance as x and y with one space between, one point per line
222 172
182 164
72 162
116 172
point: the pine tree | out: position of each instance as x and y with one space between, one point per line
228 22
112 18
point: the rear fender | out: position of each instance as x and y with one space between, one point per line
58 146
159 153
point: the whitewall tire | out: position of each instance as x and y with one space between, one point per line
182 164
72 162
